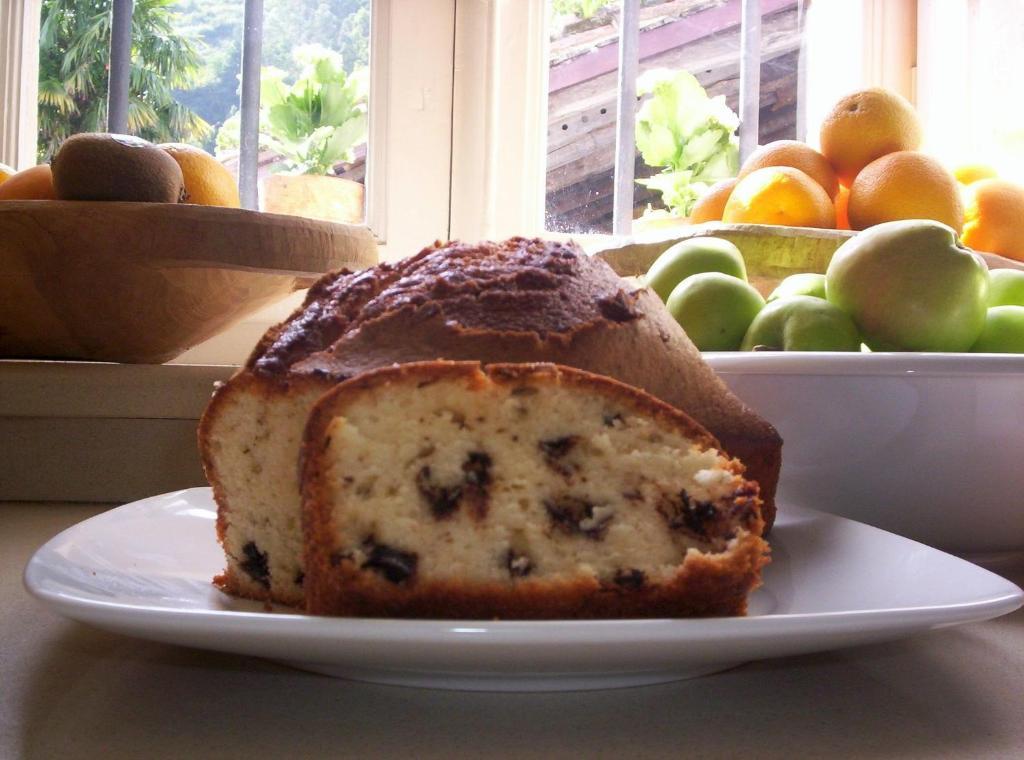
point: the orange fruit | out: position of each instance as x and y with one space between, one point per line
866 125
780 195
993 217
33 184
905 185
843 208
207 181
965 174
798 155
6 172
710 206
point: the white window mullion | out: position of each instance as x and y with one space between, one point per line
408 177
750 77
499 119
625 122
249 104
890 45
19 81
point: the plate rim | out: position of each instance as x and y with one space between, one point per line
505 632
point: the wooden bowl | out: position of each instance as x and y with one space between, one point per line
143 282
770 252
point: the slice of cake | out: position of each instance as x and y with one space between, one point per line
451 490
518 300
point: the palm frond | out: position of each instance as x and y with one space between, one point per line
53 93
74 54
94 116
141 116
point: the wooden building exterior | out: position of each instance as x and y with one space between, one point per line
700 36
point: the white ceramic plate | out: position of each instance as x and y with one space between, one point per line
144 569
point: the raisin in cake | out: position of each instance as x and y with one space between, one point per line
516 301
443 489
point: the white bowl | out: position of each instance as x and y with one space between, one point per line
929 446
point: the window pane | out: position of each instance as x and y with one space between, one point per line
171 51
186 64
215 27
313 114
694 36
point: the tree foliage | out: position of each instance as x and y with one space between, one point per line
74 47
186 60
339 25
316 122
582 9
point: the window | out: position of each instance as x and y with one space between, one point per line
809 53
411 74
19 56
497 117
175 76
674 38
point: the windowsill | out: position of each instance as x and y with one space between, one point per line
88 431
32 389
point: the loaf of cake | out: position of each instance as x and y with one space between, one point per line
519 300
448 490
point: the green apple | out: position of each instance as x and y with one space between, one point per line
693 256
801 323
714 309
1003 332
806 284
910 286
1005 287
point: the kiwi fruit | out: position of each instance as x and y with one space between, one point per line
97 166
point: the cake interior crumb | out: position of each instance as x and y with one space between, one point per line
499 484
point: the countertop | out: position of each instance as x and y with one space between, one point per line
67 690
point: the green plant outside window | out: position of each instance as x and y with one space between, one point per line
314 123
690 136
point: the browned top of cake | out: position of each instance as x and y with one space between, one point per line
549 290
520 300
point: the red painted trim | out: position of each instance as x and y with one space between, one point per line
605 59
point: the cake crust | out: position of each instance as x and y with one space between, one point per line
520 300
704 584
228 398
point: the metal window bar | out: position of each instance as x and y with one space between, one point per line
750 76
625 124
252 50
801 73
629 66
120 65
249 144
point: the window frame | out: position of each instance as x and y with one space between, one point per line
499 119
19 81
878 48
457 122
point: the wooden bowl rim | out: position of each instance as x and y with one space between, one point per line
296 261
671 236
